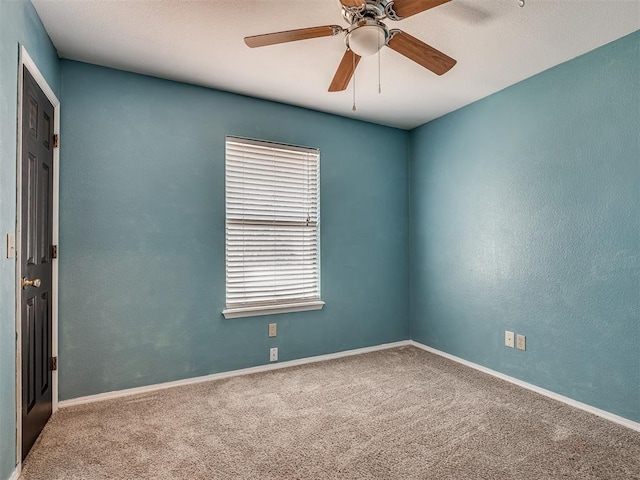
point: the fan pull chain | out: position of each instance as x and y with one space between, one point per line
379 80
353 66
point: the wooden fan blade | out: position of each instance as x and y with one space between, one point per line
292 35
406 8
353 3
421 53
345 71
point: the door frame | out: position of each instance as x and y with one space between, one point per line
26 61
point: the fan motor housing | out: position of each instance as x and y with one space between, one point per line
374 9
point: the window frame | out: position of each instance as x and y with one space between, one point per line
284 306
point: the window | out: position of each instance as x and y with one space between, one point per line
272 220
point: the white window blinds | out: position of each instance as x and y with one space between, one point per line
272 212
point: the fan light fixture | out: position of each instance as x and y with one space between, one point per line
367 37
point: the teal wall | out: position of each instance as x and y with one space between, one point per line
19 24
523 210
142 264
525 216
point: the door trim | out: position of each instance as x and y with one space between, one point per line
25 60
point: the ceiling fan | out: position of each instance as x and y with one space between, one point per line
366 34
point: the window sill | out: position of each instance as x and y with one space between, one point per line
240 312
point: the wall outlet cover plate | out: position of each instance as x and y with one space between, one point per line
11 245
508 339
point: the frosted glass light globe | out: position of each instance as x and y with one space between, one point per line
366 40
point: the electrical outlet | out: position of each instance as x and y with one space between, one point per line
273 354
273 330
521 342
508 339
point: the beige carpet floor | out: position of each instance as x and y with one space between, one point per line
394 414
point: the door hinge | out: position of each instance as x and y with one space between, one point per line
54 363
56 140
54 251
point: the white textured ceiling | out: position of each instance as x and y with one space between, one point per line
495 42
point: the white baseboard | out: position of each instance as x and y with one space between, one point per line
331 356
233 373
625 422
15 474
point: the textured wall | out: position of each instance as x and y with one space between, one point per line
524 210
525 216
19 24
142 279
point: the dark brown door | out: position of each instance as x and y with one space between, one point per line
37 219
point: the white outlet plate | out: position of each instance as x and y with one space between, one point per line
11 245
508 339
273 354
273 329
521 342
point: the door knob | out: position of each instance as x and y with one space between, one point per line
31 283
